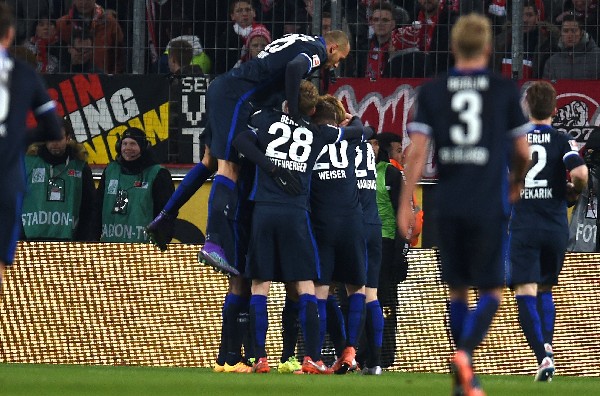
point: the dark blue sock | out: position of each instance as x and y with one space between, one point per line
309 322
336 325
289 324
222 356
192 181
222 203
243 328
322 308
374 330
459 310
356 318
237 304
530 323
259 323
547 312
478 322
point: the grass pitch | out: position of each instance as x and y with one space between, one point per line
61 380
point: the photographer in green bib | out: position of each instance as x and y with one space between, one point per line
132 191
59 201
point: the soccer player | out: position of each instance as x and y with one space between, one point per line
21 90
278 68
285 151
538 225
476 123
338 223
366 176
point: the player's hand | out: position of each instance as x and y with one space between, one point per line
572 194
405 220
160 230
286 180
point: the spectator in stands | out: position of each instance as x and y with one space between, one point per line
132 190
181 55
406 60
59 201
42 44
28 11
435 21
183 29
586 12
540 41
79 55
232 40
579 56
107 36
257 40
383 22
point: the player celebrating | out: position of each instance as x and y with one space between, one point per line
475 121
538 226
279 67
337 218
285 153
21 90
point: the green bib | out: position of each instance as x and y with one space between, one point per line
384 203
127 223
51 205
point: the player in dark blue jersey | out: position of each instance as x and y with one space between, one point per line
476 122
278 68
538 225
366 176
337 219
282 246
21 90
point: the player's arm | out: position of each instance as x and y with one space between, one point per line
44 110
245 143
578 171
295 71
356 130
520 164
415 161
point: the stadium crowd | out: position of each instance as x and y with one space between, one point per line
395 38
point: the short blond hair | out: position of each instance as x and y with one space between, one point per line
470 36
338 37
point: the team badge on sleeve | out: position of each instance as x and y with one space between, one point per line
316 62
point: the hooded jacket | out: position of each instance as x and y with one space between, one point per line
580 62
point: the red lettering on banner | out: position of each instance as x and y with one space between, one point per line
88 90
68 96
54 95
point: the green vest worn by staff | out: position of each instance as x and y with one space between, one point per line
128 226
384 203
51 205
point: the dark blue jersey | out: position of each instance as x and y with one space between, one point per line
22 90
472 120
267 72
270 64
290 146
366 178
334 191
543 202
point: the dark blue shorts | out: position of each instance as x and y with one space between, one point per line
536 256
228 109
342 249
472 251
282 245
10 216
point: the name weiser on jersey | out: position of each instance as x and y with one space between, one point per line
463 155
